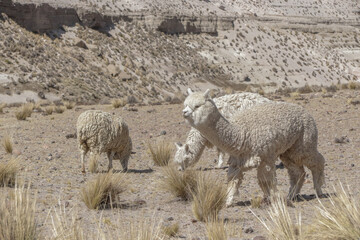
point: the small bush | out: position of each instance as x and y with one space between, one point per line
17 216
94 163
69 105
49 110
256 202
216 230
208 198
8 172
171 230
352 85
161 153
103 190
305 89
116 103
24 112
59 109
7 144
279 224
2 106
180 184
339 219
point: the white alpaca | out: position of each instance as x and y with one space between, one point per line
256 137
228 105
100 132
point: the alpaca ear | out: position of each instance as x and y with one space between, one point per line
186 148
178 145
207 94
189 91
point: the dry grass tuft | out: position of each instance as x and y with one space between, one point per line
69 105
64 228
116 103
305 89
25 111
8 172
256 202
353 85
49 110
339 219
59 109
208 198
145 230
103 190
161 153
94 163
17 216
171 230
2 106
7 144
180 184
278 223
216 230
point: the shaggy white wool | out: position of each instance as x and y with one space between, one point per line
100 132
256 137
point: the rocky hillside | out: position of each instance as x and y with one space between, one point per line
151 51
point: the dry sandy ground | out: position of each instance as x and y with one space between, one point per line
51 163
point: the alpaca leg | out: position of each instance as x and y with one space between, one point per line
296 175
83 153
234 176
110 157
266 175
221 156
124 164
317 169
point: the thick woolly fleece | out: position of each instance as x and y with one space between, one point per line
228 105
100 132
256 137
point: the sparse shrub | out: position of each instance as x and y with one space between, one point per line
49 110
338 219
353 85
295 95
179 183
2 106
59 109
278 223
216 230
208 198
171 230
69 104
160 153
103 190
256 202
331 88
7 144
8 172
116 103
24 112
17 216
305 89
94 163
64 228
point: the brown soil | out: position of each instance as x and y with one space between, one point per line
51 163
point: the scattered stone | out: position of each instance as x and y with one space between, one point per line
41 95
343 139
163 132
81 44
170 219
249 230
71 135
132 109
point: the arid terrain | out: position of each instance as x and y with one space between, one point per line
50 162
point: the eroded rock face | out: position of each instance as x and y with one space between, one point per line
45 17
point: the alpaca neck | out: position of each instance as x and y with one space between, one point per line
225 136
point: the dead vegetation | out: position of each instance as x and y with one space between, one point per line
8 172
160 152
7 144
25 111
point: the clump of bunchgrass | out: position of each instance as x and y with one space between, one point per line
209 197
17 216
7 144
337 219
94 163
171 230
49 110
8 172
160 153
25 111
116 103
69 104
59 109
103 190
144 230
256 202
216 229
2 106
278 222
178 183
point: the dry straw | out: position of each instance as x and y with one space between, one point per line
161 152
103 190
7 144
8 172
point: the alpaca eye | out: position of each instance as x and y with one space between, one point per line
197 107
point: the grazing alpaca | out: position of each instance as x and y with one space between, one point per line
256 137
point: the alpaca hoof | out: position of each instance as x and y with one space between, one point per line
83 171
124 170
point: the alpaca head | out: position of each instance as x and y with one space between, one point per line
199 109
182 156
